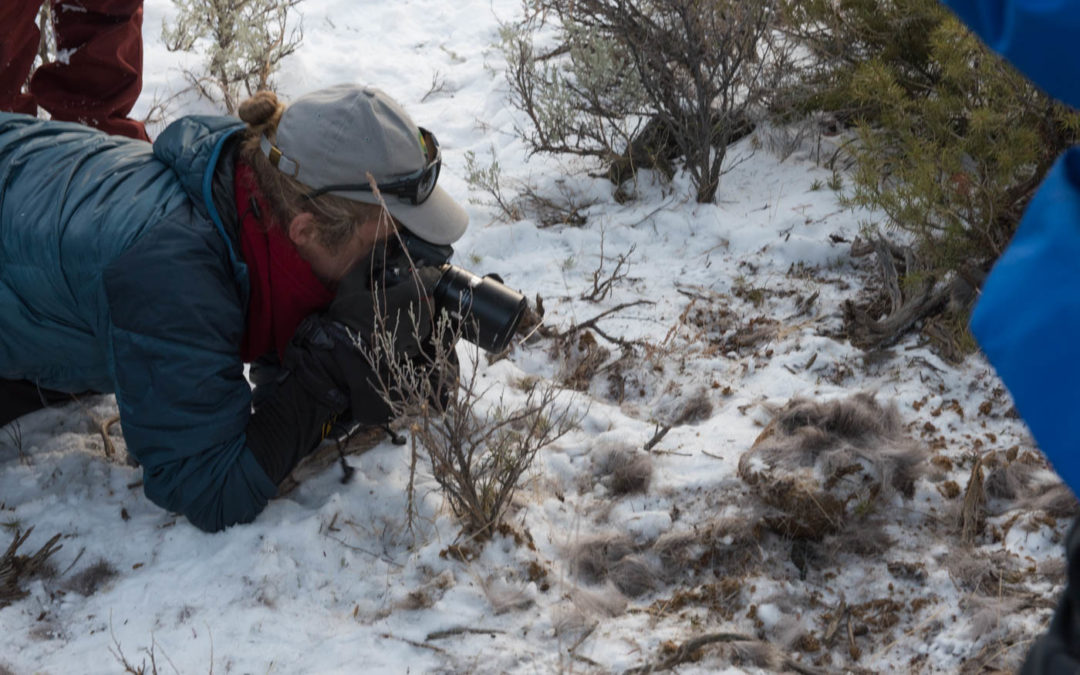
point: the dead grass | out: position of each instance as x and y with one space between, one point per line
506 595
429 593
16 569
604 602
972 518
1002 655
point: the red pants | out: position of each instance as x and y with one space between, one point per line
101 40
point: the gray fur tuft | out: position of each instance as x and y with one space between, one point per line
818 465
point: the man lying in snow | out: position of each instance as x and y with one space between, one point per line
156 272
1027 320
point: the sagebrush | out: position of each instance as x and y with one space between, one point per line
479 443
244 42
644 83
950 141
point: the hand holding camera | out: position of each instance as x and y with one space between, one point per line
481 310
369 303
390 303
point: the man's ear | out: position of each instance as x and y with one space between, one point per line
302 229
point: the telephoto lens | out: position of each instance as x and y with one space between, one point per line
486 310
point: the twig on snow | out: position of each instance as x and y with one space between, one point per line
661 431
461 630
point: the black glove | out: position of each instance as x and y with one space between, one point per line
405 310
368 306
319 355
323 371
324 356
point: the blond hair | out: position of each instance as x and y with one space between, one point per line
337 218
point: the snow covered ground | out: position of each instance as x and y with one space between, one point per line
739 310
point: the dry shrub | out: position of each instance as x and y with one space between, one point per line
819 465
244 43
479 448
479 444
15 568
639 84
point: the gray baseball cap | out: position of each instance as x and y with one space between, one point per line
332 138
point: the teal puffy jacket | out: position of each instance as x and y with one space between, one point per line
118 274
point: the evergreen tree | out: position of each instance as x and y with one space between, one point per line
951 140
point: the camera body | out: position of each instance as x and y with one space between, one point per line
485 311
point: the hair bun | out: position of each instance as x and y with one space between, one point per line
262 109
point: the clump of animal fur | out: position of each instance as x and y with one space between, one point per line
616 560
818 465
623 469
1023 483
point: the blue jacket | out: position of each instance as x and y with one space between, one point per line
118 274
1027 320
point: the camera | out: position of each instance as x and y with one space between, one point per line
483 308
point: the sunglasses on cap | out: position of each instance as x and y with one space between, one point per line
414 188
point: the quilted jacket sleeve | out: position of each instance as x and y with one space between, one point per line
177 319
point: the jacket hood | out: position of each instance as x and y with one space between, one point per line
192 146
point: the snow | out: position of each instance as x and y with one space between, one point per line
330 579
